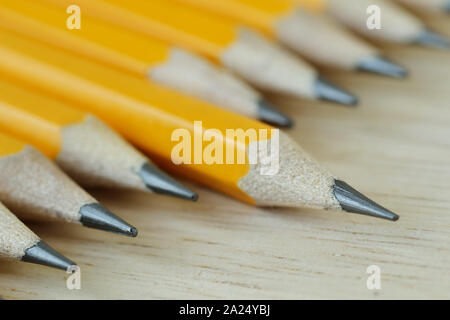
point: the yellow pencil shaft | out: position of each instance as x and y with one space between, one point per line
9 146
96 39
146 114
170 22
312 5
35 118
261 14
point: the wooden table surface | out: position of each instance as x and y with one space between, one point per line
395 148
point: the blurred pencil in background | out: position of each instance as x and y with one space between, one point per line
140 55
313 35
17 242
245 52
156 112
87 149
32 186
430 5
398 25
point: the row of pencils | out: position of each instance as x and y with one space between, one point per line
94 103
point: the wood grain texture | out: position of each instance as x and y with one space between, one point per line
395 148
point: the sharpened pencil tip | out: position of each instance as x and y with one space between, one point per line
43 254
383 66
355 202
271 115
430 38
161 183
98 217
330 92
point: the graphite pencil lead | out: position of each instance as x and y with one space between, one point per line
98 217
43 254
430 38
269 114
381 65
161 183
329 92
355 202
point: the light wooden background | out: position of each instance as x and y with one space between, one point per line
395 147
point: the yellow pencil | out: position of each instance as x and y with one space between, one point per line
85 147
313 35
155 119
398 25
139 55
17 242
261 62
33 186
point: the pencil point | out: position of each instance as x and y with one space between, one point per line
355 202
43 254
98 217
432 39
161 183
329 92
271 115
381 65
